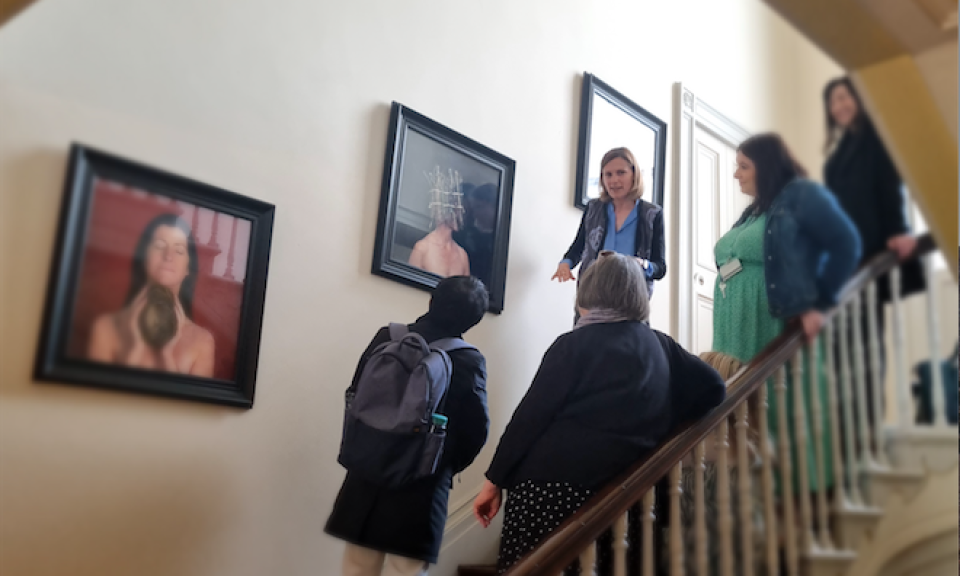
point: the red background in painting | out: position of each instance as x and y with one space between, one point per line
117 218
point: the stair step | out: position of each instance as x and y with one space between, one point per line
820 562
855 524
477 570
927 448
881 483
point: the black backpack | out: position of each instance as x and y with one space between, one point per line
393 429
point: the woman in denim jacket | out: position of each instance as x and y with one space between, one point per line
786 258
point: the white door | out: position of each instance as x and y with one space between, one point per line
709 203
713 206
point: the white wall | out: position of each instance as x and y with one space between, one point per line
288 101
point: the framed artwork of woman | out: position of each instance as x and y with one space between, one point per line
157 283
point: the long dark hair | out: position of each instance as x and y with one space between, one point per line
138 268
775 168
833 129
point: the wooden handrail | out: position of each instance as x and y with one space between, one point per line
582 529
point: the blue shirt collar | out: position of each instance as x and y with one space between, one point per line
611 215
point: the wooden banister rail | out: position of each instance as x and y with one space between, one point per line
582 529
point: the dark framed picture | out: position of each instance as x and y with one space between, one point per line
444 207
157 283
608 120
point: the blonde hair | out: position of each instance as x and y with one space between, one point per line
728 367
636 191
615 282
724 364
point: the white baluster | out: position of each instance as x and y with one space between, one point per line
820 458
743 477
848 420
933 327
725 518
700 509
877 380
839 492
766 481
676 526
905 402
861 381
786 474
800 439
649 516
588 560
620 546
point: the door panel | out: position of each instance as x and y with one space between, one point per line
715 208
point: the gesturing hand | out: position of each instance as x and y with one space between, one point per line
487 504
563 273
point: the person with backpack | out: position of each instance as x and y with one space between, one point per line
416 415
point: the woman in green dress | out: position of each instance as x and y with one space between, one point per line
785 260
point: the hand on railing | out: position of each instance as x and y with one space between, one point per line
487 504
812 321
904 245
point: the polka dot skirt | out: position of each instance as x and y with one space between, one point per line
534 510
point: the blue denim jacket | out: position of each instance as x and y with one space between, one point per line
811 248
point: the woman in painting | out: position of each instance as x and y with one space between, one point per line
438 252
155 329
620 220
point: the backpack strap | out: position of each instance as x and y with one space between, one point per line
397 331
451 344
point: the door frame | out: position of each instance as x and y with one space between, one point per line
689 113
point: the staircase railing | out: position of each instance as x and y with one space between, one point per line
794 529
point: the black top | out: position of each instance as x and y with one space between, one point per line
604 396
409 521
648 244
866 183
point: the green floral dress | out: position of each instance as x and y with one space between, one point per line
743 326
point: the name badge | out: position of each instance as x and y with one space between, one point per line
730 269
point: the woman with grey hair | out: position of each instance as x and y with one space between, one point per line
606 394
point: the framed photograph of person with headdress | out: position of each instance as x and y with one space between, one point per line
157 283
444 207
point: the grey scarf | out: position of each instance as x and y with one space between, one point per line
601 316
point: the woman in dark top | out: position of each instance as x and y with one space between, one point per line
862 176
619 221
606 394
865 181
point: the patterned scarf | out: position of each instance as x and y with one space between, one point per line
601 316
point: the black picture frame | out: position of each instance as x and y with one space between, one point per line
417 146
598 134
104 198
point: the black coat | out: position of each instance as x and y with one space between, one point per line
604 396
866 183
409 521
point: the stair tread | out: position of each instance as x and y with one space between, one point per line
897 474
865 511
831 554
